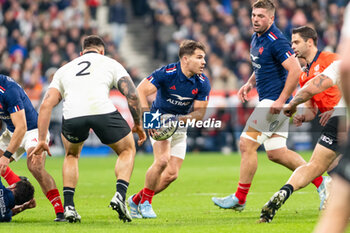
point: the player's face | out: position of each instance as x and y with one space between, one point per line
299 46
196 61
261 20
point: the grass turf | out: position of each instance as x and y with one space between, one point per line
185 206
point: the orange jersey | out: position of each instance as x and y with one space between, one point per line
326 100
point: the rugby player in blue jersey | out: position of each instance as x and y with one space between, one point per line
179 87
276 74
21 135
15 198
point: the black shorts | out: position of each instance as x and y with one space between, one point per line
329 133
109 128
343 167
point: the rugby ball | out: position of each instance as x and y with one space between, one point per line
168 126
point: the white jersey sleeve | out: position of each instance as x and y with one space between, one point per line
119 72
56 83
332 72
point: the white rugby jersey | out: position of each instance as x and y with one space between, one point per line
85 82
333 72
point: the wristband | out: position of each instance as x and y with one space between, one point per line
8 154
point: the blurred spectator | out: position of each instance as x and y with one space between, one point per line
117 20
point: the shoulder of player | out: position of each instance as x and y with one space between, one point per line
328 57
168 70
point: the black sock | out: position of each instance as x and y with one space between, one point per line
68 194
289 189
122 187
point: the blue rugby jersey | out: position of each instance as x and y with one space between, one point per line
13 99
7 202
267 53
176 93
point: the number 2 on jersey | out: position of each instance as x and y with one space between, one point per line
87 65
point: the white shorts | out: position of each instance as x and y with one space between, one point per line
266 123
30 140
178 144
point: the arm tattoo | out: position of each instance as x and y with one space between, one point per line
310 89
127 88
317 82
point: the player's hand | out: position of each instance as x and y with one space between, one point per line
40 148
324 117
4 162
289 110
243 92
141 133
27 205
276 107
298 120
152 132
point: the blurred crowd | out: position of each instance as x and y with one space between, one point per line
39 36
224 26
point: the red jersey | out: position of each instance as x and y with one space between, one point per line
329 98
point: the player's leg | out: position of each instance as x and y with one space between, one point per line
74 132
178 148
336 216
70 172
8 175
161 152
125 148
249 162
36 165
320 160
115 132
170 174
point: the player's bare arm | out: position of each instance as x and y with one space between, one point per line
19 121
294 70
128 89
315 86
51 99
246 88
145 89
199 109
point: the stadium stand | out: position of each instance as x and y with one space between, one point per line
37 37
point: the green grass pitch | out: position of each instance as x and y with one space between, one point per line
185 206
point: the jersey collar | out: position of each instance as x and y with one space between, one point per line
308 66
183 77
90 52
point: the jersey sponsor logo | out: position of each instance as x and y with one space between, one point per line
72 138
151 120
179 103
327 140
4 117
256 65
302 76
316 73
173 88
261 50
254 58
179 97
195 91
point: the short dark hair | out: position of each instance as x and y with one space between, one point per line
189 46
306 33
23 192
265 4
93 41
